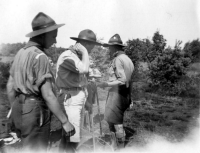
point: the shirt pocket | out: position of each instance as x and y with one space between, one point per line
67 99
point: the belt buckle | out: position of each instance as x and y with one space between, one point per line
80 88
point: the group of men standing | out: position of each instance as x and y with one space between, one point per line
31 91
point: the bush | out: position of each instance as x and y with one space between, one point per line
167 69
192 50
100 59
4 74
189 86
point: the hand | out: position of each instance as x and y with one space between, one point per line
80 48
88 107
102 84
69 129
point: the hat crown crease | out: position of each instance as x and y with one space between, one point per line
44 26
115 39
42 21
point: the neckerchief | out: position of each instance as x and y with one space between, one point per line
118 53
32 43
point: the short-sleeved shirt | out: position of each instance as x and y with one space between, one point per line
30 68
69 71
121 68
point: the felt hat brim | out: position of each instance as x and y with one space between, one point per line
94 42
45 30
112 44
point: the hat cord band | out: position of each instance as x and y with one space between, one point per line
44 26
86 38
115 42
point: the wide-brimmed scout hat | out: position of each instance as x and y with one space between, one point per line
114 41
87 35
42 23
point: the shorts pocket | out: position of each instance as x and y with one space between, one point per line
27 108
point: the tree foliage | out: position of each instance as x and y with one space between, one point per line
165 66
4 74
100 57
168 68
54 53
137 50
159 43
192 50
8 49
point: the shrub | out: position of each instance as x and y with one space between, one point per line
188 86
192 50
4 74
167 69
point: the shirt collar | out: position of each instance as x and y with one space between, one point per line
32 43
118 53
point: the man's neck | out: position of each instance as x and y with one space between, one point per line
115 54
37 43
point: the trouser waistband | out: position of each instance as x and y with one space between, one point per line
25 98
72 89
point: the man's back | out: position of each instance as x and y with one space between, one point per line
122 61
26 68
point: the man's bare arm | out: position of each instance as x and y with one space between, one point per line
55 107
10 90
85 57
110 84
52 102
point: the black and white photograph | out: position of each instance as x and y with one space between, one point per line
84 76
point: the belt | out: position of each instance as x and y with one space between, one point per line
72 89
30 97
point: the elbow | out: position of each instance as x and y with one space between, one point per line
48 96
84 70
47 92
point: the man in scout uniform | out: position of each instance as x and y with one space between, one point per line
71 80
30 89
120 72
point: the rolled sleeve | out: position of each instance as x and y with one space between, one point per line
73 64
42 70
119 70
80 67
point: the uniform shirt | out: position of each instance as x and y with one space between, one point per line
30 69
121 68
69 70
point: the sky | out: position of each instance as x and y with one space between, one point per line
131 19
